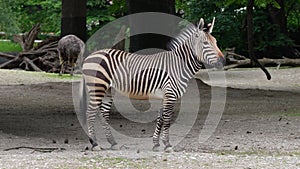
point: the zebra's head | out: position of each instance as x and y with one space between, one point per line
205 46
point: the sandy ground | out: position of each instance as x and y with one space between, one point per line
259 128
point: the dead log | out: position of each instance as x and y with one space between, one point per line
29 62
27 40
43 57
3 65
7 56
264 61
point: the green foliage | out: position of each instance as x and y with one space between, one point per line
267 35
231 25
101 12
8 20
7 46
31 12
20 15
229 19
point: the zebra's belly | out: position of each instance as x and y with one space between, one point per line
157 94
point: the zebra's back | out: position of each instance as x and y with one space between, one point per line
136 76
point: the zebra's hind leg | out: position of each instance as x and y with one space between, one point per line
104 112
96 95
62 68
168 107
91 113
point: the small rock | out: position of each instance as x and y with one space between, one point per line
143 131
138 151
280 119
236 147
54 141
66 141
121 125
248 132
165 159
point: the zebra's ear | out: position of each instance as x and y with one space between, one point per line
201 24
211 26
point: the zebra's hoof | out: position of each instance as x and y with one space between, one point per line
155 148
168 149
115 147
96 148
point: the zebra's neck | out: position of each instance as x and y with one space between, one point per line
190 62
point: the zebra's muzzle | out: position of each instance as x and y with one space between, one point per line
221 63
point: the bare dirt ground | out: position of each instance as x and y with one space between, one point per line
260 127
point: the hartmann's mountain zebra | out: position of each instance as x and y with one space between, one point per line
163 75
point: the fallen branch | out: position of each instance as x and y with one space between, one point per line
7 56
27 40
43 150
9 62
32 64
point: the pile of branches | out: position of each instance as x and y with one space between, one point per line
42 57
236 61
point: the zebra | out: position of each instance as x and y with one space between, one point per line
163 75
70 48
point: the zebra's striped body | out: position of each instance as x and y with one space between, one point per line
163 76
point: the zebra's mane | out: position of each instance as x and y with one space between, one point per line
181 38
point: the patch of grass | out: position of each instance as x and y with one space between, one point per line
115 162
256 152
63 76
293 112
7 46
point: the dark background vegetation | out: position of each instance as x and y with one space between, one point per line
275 29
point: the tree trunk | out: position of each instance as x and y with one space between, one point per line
73 20
250 34
144 41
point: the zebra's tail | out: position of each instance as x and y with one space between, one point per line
83 102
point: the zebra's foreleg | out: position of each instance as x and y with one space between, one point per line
157 131
105 111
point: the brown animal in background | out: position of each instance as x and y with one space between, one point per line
70 48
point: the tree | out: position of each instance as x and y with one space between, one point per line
8 19
231 24
31 12
73 19
144 41
250 35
